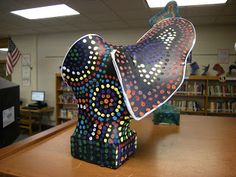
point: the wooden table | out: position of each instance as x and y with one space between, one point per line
200 147
37 113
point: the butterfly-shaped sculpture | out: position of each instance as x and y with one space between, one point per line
116 83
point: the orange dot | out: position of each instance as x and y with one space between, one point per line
135 109
141 113
106 101
148 109
143 104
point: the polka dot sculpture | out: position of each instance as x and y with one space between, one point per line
114 84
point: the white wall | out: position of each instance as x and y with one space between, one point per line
209 40
47 52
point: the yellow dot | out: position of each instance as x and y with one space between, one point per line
119 128
97 89
99 113
85 75
122 122
81 78
107 135
102 86
103 115
105 140
96 110
76 79
108 115
72 79
119 102
112 86
120 134
68 77
92 67
112 114
88 72
117 110
109 130
108 85
93 98
63 74
121 139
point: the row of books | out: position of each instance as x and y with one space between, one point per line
222 106
192 88
184 105
68 113
67 97
222 90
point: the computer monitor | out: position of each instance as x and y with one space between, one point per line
38 96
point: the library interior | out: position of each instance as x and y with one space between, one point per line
118 88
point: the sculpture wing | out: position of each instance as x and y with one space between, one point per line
151 71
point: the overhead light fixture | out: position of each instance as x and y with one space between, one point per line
46 12
162 3
4 49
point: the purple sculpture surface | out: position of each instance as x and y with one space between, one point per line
116 83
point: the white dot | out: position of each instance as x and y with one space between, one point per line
84 40
93 42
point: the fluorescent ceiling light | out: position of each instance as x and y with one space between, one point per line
4 49
46 12
162 3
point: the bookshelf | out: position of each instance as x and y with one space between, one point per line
66 106
206 95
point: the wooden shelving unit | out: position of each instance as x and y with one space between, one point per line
66 107
206 95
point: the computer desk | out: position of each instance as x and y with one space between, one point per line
200 146
40 112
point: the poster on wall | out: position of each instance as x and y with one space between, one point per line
223 56
26 70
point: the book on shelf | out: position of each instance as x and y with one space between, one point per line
68 113
222 90
184 105
222 106
67 97
191 88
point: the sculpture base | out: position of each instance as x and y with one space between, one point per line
103 154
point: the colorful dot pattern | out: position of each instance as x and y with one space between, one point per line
102 135
152 70
112 84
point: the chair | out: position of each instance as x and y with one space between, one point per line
26 121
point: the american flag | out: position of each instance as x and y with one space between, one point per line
13 55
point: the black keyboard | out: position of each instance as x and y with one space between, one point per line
31 108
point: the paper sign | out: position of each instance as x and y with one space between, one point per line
8 116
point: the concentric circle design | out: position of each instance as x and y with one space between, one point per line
107 101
